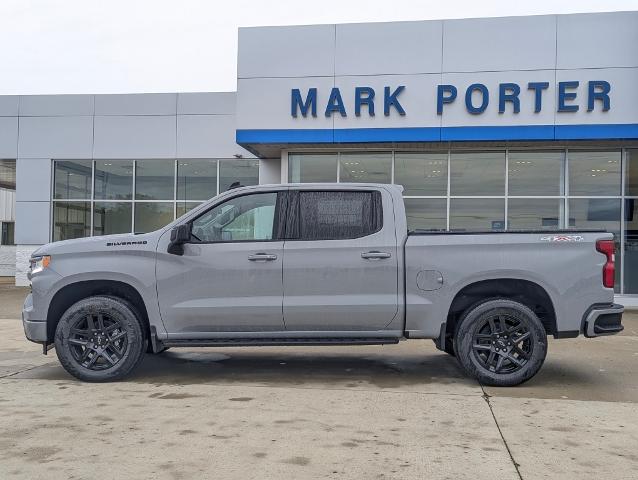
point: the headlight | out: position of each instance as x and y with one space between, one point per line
38 264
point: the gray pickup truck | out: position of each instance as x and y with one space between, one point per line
319 264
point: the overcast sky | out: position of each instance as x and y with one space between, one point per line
114 46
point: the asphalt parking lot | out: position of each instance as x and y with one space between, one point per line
390 412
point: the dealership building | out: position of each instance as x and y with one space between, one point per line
491 124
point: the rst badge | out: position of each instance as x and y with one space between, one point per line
562 238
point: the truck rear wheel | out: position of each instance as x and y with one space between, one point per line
501 343
100 339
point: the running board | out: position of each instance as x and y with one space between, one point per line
278 342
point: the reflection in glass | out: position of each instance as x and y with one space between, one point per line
631 246
151 216
598 213
536 173
245 218
154 179
112 217
114 179
631 180
72 179
185 207
196 179
244 172
535 214
71 220
365 167
481 174
312 168
594 173
426 213
477 214
421 173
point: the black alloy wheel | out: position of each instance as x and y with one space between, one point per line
97 341
100 339
500 342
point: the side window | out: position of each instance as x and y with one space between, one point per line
338 215
245 218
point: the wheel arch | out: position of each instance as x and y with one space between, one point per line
527 292
74 292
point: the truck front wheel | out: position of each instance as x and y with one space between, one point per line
100 339
501 342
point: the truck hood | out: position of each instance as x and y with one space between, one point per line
127 241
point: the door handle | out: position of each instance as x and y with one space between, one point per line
375 254
262 257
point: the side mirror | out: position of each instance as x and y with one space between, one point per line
180 235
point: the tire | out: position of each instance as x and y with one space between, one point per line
100 339
501 343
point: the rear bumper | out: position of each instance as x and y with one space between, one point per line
603 320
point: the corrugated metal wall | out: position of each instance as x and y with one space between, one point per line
7 205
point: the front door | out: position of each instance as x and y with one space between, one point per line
340 261
230 276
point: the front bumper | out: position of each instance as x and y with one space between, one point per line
34 329
604 320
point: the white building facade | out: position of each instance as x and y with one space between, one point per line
495 123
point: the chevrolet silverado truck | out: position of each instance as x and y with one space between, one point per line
319 264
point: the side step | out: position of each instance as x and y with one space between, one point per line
277 342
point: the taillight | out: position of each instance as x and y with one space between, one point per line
608 247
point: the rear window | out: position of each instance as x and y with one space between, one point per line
336 215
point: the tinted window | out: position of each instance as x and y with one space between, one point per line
594 173
245 218
114 179
477 173
421 173
337 215
72 179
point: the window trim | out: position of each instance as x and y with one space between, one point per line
276 224
294 212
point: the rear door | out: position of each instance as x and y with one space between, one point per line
340 261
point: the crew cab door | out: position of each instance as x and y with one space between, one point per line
229 278
340 261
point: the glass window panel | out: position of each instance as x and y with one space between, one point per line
8 233
312 168
337 215
152 216
245 218
365 167
477 173
154 179
71 220
535 214
426 213
8 174
185 207
421 173
631 246
631 179
477 214
594 173
244 172
114 179
72 179
196 179
112 217
603 213
536 173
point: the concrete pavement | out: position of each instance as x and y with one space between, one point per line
403 411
